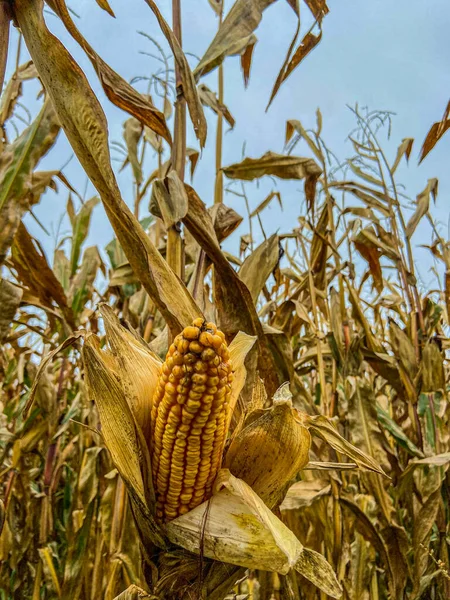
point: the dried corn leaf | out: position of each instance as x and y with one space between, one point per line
65 344
265 203
365 432
80 227
236 310
5 18
404 150
13 90
318 8
235 34
308 43
304 493
294 125
225 220
422 205
209 98
169 200
424 523
246 58
132 132
325 429
278 165
371 254
105 5
437 130
134 593
258 266
123 438
85 125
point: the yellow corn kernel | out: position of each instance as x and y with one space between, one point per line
189 416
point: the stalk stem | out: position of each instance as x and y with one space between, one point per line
175 256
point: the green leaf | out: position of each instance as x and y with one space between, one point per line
80 227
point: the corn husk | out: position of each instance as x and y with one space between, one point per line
121 379
270 450
236 527
138 367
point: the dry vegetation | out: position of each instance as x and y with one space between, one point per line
332 307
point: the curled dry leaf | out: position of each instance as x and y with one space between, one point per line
235 34
308 43
246 58
422 205
404 149
236 527
324 428
132 132
225 220
278 165
209 98
169 199
258 266
13 90
437 130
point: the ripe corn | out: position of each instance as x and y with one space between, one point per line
189 419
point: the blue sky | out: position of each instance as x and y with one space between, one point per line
383 54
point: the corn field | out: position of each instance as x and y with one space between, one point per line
189 413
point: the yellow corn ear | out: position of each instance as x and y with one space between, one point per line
189 419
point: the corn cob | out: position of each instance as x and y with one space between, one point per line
189 419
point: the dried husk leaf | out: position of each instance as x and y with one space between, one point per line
123 438
270 451
239 348
236 527
103 383
138 366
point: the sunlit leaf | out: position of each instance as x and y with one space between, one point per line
437 130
